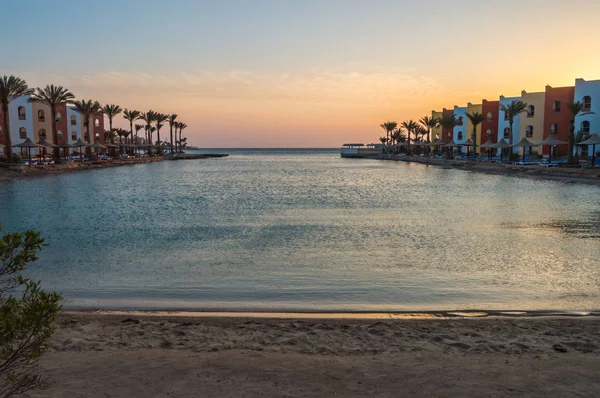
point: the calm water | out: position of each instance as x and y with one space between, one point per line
306 230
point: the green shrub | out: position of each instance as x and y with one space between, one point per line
27 314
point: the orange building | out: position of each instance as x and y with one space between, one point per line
556 115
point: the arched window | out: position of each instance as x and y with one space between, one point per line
585 126
42 134
0 131
529 131
41 116
57 117
22 114
22 133
489 132
490 116
74 135
556 106
459 121
59 134
530 111
73 120
97 122
506 132
460 135
587 103
505 115
554 128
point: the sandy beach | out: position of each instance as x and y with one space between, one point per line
99 355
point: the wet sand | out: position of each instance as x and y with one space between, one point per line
100 355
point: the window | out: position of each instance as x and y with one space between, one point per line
73 120
554 128
41 116
74 135
490 116
489 132
97 123
42 134
506 132
23 133
585 126
529 131
587 103
59 134
459 121
58 117
0 131
22 114
556 106
460 135
530 111
505 115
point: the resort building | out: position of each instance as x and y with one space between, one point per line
504 122
532 120
20 115
588 121
471 109
556 116
436 132
447 134
489 126
460 130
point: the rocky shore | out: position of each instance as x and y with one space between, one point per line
9 172
563 174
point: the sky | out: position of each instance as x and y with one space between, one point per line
298 73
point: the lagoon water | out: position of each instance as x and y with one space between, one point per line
303 230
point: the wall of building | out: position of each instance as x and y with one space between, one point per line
98 127
436 132
489 127
2 135
460 130
591 115
471 109
504 124
447 134
557 116
16 124
75 131
533 119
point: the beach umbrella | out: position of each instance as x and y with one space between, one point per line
45 144
28 144
524 143
593 141
97 146
80 144
450 145
552 140
468 143
487 145
501 145
64 145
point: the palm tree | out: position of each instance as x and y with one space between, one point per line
131 116
111 110
10 87
448 121
52 96
410 127
147 118
87 109
512 110
576 109
108 135
388 127
428 123
476 119
138 127
160 119
172 122
181 127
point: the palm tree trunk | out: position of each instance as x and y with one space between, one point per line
8 140
510 138
474 139
171 133
56 152
570 156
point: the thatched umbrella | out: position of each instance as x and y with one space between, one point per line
65 145
552 140
501 145
487 145
97 146
593 141
450 145
524 143
80 144
28 144
45 144
468 143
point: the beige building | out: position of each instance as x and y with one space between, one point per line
531 125
471 109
